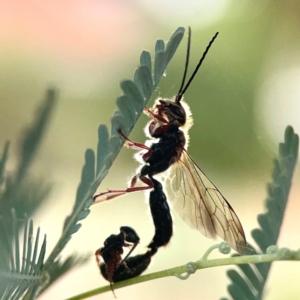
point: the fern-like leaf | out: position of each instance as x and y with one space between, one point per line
250 282
33 134
3 163
137 94
19 191
20 269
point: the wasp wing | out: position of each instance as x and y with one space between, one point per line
202 206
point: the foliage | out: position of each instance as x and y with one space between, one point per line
250 282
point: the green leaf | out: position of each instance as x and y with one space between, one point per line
159 66
3 162
127 112
159 46
20 275
19 190
145 60
250 282
103 147
146 81
80 209
134 96
33 135
137 94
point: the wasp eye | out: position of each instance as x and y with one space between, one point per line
178 111
176 114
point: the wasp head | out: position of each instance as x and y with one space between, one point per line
173 112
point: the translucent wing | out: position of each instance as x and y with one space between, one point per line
202 206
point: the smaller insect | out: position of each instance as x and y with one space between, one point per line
132 267
114 268
113 250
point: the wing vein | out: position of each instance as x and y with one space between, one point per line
203 207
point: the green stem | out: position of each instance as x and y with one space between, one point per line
282 254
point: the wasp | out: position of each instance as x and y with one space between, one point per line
196 199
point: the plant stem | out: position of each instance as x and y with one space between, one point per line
281 254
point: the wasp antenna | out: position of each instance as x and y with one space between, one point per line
197 67
180 93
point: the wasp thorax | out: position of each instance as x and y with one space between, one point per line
172 111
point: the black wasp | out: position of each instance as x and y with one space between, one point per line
114 268
197 200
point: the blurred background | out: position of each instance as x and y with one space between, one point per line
242 99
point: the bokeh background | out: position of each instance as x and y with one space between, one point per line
245 94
